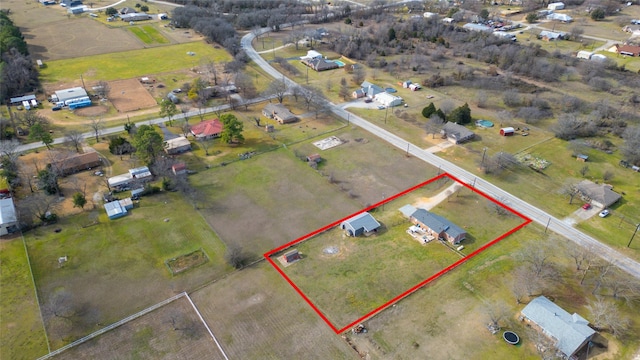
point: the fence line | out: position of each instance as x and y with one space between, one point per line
114 325
207 326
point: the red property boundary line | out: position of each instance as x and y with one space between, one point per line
268 254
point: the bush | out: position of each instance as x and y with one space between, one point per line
531 18
111 11
597 14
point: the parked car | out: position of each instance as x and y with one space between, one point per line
177 91
586 206
635 22
368 100
381 107
56 108
604 213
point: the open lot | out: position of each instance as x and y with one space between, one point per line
256 315
22 333
117 267
130 95
349 277
173 331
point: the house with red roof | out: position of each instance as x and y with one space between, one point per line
207 129
629 50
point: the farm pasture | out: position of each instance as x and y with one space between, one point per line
117 267
173 331
256 315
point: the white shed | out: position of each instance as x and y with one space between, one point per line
387 99
582 54
556 6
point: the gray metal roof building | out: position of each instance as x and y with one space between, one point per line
69 94
571 332
439 225
360 224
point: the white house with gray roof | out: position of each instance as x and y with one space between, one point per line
437 226
363 223
571 332
8 218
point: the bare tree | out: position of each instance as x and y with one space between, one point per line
434 125
447 106
102 89
277 88
31 118
74 138
495 311
358 74
606 316
96 126
205 145
235 256
584 170
570 189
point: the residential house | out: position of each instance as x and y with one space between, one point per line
76 163
279 113
456 133
477 27
320 64
551 35
70 3
135 17
363 223
570 332
629 50
115 209
207 129
8 218
127 10
560 17
388 100
177 145
437 226
599 195
370 89
359 93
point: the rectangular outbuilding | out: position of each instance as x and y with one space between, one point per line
507 131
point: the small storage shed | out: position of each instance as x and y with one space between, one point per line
179 169
582 157
507 131
314 158
115 210
292 256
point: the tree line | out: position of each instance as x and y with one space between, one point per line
18 74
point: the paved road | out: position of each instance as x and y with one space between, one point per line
534 213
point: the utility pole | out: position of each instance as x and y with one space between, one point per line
83 86
548 222
386 110
634 234
484 151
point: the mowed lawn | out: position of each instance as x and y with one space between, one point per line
134 63
149 34
367 272
117 267
22 334
255 314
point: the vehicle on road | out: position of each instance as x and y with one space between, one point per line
381 107
586 206
604 213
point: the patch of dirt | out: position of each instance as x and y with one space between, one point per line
130 95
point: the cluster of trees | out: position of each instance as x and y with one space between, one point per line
18 74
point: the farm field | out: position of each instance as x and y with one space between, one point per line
256 315
149 34
173 331
132 63
22 333
336 271
117 267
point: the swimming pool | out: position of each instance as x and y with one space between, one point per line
340 63
484 123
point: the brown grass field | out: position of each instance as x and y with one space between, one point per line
130 95
255 314
173 331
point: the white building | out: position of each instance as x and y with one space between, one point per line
556 6
582 54
311 54
8 218
69 94
387 99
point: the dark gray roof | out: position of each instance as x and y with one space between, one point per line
570 331
363 221
457 132
599 193
437 223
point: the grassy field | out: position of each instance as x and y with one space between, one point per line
256 315
22 334
342 284
149 34
117 267
130 64
172 331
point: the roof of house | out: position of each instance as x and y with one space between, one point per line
457 132
437 223
569 330
89 159
551 34
178 142
386 97
278 110
114 208
601 193
632 49
140 172
311 54
7 211
207 128
477 27
363 221
407 210
367 85
320 64
560 17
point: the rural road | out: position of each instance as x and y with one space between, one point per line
541 217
